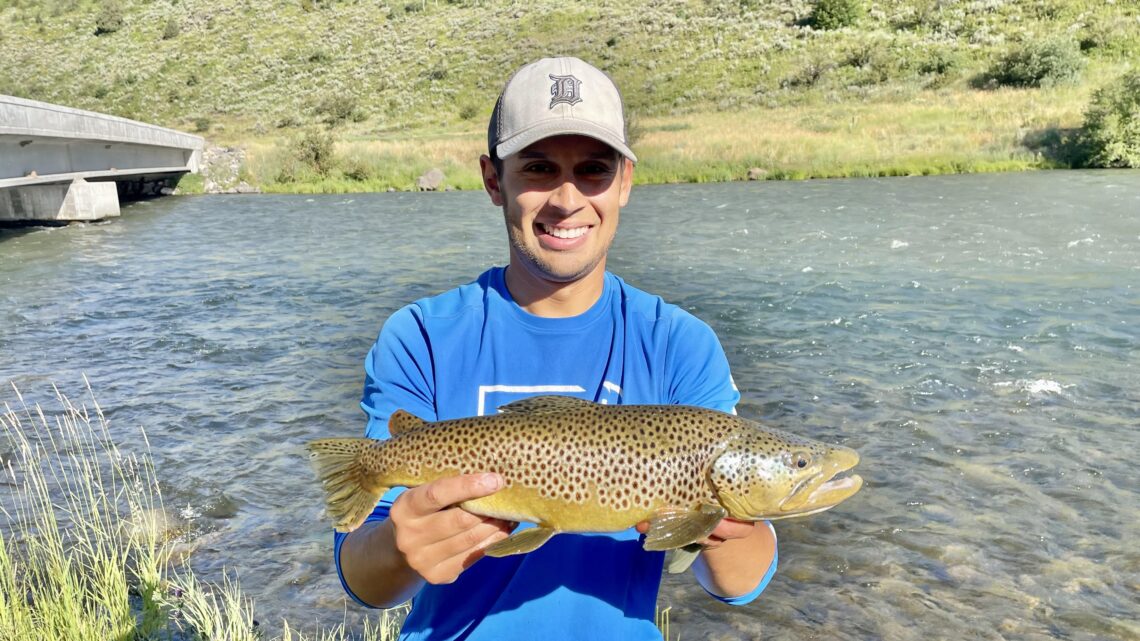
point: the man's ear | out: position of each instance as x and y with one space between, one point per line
491 180
626 180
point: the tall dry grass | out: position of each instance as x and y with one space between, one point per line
83 554
940 131
947 131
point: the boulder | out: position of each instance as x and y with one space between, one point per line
431 181
756 173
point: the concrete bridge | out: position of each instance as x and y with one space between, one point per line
62 164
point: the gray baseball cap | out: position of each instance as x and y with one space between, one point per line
556 96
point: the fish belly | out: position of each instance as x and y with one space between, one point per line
530 505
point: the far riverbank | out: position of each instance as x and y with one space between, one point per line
945 131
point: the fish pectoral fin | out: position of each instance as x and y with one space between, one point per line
671 529
679 560
521 542
545 405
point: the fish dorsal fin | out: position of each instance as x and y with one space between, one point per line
401 421
545 405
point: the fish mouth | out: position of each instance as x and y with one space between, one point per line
827 488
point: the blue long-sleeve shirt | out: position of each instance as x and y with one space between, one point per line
473 349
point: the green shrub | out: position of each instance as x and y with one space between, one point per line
937 60
338 108
172 29
288 122
110 18
1109 36
469 109
315 149
1042 63
287 172
356 169
836 14
870 63
634 130
320 56
811 74
1111 132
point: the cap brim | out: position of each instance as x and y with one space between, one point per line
562 127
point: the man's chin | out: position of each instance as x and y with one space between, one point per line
565 274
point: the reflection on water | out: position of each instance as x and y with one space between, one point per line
975 338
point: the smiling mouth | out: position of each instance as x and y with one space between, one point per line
564 233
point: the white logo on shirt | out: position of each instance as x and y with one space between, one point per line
498 392
495 396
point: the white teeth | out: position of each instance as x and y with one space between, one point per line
559 232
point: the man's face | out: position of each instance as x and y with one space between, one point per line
561 198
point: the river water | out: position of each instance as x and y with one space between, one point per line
976 338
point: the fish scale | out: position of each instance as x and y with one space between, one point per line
570 465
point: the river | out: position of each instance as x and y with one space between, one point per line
976 338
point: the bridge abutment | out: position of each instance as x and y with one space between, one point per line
77 200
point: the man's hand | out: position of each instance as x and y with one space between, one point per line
727 530
438 540
735 558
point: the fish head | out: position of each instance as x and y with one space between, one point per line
769 474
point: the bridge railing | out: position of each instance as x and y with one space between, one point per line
32 120
48 153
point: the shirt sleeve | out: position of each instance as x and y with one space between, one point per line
699 375
398 374
697 369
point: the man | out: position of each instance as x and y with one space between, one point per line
552 322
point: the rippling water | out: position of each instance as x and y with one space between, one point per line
976 338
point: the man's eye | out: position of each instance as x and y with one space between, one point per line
538 167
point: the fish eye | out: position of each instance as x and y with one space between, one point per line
800 460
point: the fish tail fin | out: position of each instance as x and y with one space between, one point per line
351 489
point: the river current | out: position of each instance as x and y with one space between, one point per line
976 338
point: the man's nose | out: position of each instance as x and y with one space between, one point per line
567 198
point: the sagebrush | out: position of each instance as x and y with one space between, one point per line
1111 131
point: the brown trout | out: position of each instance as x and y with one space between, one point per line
570 465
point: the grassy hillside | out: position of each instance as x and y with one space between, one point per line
424 74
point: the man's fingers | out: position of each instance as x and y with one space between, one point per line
732 529
459 552
445 492
473 537
477 553
438 539
727 530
